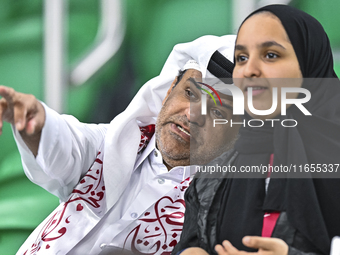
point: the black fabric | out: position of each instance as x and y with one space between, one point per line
241 210
312 204
285 231
220 66
202 217
202 201
309 40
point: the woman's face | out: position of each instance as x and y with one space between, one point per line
263 50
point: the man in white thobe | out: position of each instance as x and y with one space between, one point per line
119 184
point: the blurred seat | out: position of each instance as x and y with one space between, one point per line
156 26
328 16
23 204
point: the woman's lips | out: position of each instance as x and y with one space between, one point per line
256 90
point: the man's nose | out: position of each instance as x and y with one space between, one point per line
194 114
252 68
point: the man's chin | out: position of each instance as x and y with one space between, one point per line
174 160
174 149
174 163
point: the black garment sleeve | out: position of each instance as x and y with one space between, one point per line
293 251
297 243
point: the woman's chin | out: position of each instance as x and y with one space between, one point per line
274 115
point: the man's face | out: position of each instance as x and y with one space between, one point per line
180 125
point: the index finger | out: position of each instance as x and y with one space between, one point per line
7 93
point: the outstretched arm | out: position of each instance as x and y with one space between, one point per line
25 113
56 150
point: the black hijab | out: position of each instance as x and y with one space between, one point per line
312 204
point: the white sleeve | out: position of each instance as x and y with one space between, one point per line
66 151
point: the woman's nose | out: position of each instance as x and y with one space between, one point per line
252 68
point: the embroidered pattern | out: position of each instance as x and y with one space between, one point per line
158 230
88 197
146 135
90 192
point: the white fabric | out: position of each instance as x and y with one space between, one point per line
191 64
154 200
151 192
68 148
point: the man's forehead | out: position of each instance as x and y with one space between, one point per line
192 73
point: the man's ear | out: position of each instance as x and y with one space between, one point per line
170 89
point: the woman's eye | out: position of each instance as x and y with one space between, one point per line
217 113
241 58
271 55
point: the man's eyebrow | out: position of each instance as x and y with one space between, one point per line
262 45
199 87
227 106
194 82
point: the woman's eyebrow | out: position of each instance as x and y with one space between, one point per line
271 43
239 47
262 45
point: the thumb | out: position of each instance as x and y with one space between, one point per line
258 242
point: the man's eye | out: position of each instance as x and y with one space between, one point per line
241 58
217 113
271 55
190 94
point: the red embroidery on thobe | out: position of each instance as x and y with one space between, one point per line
90 191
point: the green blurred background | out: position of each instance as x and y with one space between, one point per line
153 27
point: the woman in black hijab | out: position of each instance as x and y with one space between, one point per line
276 41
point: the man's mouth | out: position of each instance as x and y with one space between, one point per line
183 130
